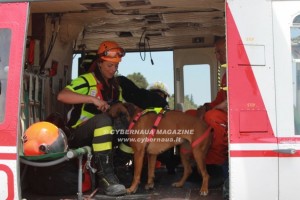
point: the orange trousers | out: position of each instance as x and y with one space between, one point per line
217 119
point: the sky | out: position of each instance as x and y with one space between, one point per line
162 70
196 79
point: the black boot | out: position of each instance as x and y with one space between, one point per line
107 181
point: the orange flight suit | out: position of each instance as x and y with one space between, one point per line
217 119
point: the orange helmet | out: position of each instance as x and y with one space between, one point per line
42 138
110 51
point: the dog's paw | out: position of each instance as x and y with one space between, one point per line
131 190
149 186
177 184
203 193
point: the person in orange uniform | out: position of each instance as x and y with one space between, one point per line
215 114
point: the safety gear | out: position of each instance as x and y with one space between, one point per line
159 87
111 51
43 138
107 180
85 112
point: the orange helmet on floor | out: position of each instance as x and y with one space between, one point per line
43 138
111 51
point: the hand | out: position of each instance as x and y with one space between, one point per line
201 111
100 104
222 106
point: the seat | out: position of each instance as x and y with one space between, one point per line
52 159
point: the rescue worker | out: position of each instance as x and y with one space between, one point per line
89 122
215 114
161 89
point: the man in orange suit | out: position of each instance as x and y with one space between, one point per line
215 114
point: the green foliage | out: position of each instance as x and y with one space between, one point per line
138 79
188 102
171 102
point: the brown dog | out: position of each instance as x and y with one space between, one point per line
171 129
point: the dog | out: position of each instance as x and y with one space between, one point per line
139 96
147 135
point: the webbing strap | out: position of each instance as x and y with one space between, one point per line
201 138
156 123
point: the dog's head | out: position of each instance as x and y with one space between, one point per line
122 114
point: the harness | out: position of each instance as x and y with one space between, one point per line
160 113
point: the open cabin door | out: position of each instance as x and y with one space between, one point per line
253 146
286 20
13 23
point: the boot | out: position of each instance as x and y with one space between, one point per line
107 181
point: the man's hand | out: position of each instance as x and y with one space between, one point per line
201 111
222 106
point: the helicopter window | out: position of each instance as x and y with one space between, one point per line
295 46
5 41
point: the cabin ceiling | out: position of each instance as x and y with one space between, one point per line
160 24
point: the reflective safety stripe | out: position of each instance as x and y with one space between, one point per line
103 131
102 146
156 110
125 148
224 88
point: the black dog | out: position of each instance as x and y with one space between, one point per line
138 96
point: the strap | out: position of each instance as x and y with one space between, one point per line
201 138
135 119
155 125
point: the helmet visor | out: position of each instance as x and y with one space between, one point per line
114 52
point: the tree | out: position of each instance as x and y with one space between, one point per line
138 79
188 103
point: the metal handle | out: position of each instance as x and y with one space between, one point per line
286 151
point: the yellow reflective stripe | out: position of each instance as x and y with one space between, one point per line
156 110
87 60
224 65
120 95
83 117
103 131
102 146
224 88
125 148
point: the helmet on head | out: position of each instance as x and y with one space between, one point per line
43 138
159 87
110 51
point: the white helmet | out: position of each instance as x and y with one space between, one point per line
159 87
